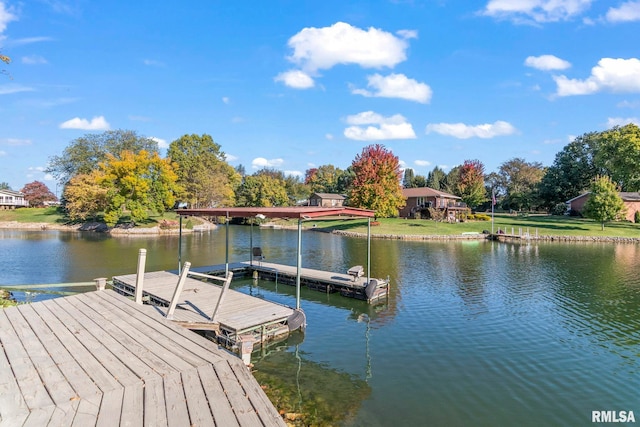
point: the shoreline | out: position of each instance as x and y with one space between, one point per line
101 228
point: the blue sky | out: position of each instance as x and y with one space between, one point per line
299 84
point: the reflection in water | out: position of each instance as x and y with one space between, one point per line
473 333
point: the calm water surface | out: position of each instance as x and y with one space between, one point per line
473 333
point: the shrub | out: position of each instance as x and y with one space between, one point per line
559 209
481 217
166 224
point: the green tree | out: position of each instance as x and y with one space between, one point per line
376 184
407 180
324 179
262 190
84 154
436 178
208 180
4 186
37 194
470 185
84 197
450 181
619 155
139 183
297 190
572 171
604 203
519 180
420 181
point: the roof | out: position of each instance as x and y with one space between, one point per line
11 192
329 196
633 196
302 212
427 192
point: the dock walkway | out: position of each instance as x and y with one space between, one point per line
238 314
99 359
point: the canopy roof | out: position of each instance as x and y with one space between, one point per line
304 212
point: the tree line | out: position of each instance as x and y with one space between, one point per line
118 173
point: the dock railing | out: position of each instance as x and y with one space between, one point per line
180 285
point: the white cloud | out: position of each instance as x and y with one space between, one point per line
226 99
394 127
546 62
422 163
396 86
14 88
613 75
322 48
5 17
261 162
329 136
537 11
36 168
28 40
18 142
3 153
34 60
294 173
620 121
230 157
628 104
153 63
97 123
296 79
463 131
162 143
627 12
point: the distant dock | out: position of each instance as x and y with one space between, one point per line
99 359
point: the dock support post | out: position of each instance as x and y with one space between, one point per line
251 243
226 248
299 263
142 259
178 290
368 249
180 246
246 348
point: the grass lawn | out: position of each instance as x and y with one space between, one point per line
51 215
546 225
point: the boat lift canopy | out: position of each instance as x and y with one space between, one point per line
299 213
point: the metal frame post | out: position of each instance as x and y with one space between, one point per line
180 246
299 263
226 248
368 249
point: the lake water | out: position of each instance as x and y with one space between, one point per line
473 333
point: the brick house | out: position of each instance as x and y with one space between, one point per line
329 200
631 202
419 200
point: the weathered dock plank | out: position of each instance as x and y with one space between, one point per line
100 359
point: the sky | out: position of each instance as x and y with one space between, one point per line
293 85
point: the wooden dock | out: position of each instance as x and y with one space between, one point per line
321 280
98 359
238 316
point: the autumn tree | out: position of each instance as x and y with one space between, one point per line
324 179
604 203
138 183
37 194
470 184
83 155
85 197
203 172
376 184
262 190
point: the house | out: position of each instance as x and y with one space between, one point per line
419 200
631 202
10 199
326 200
